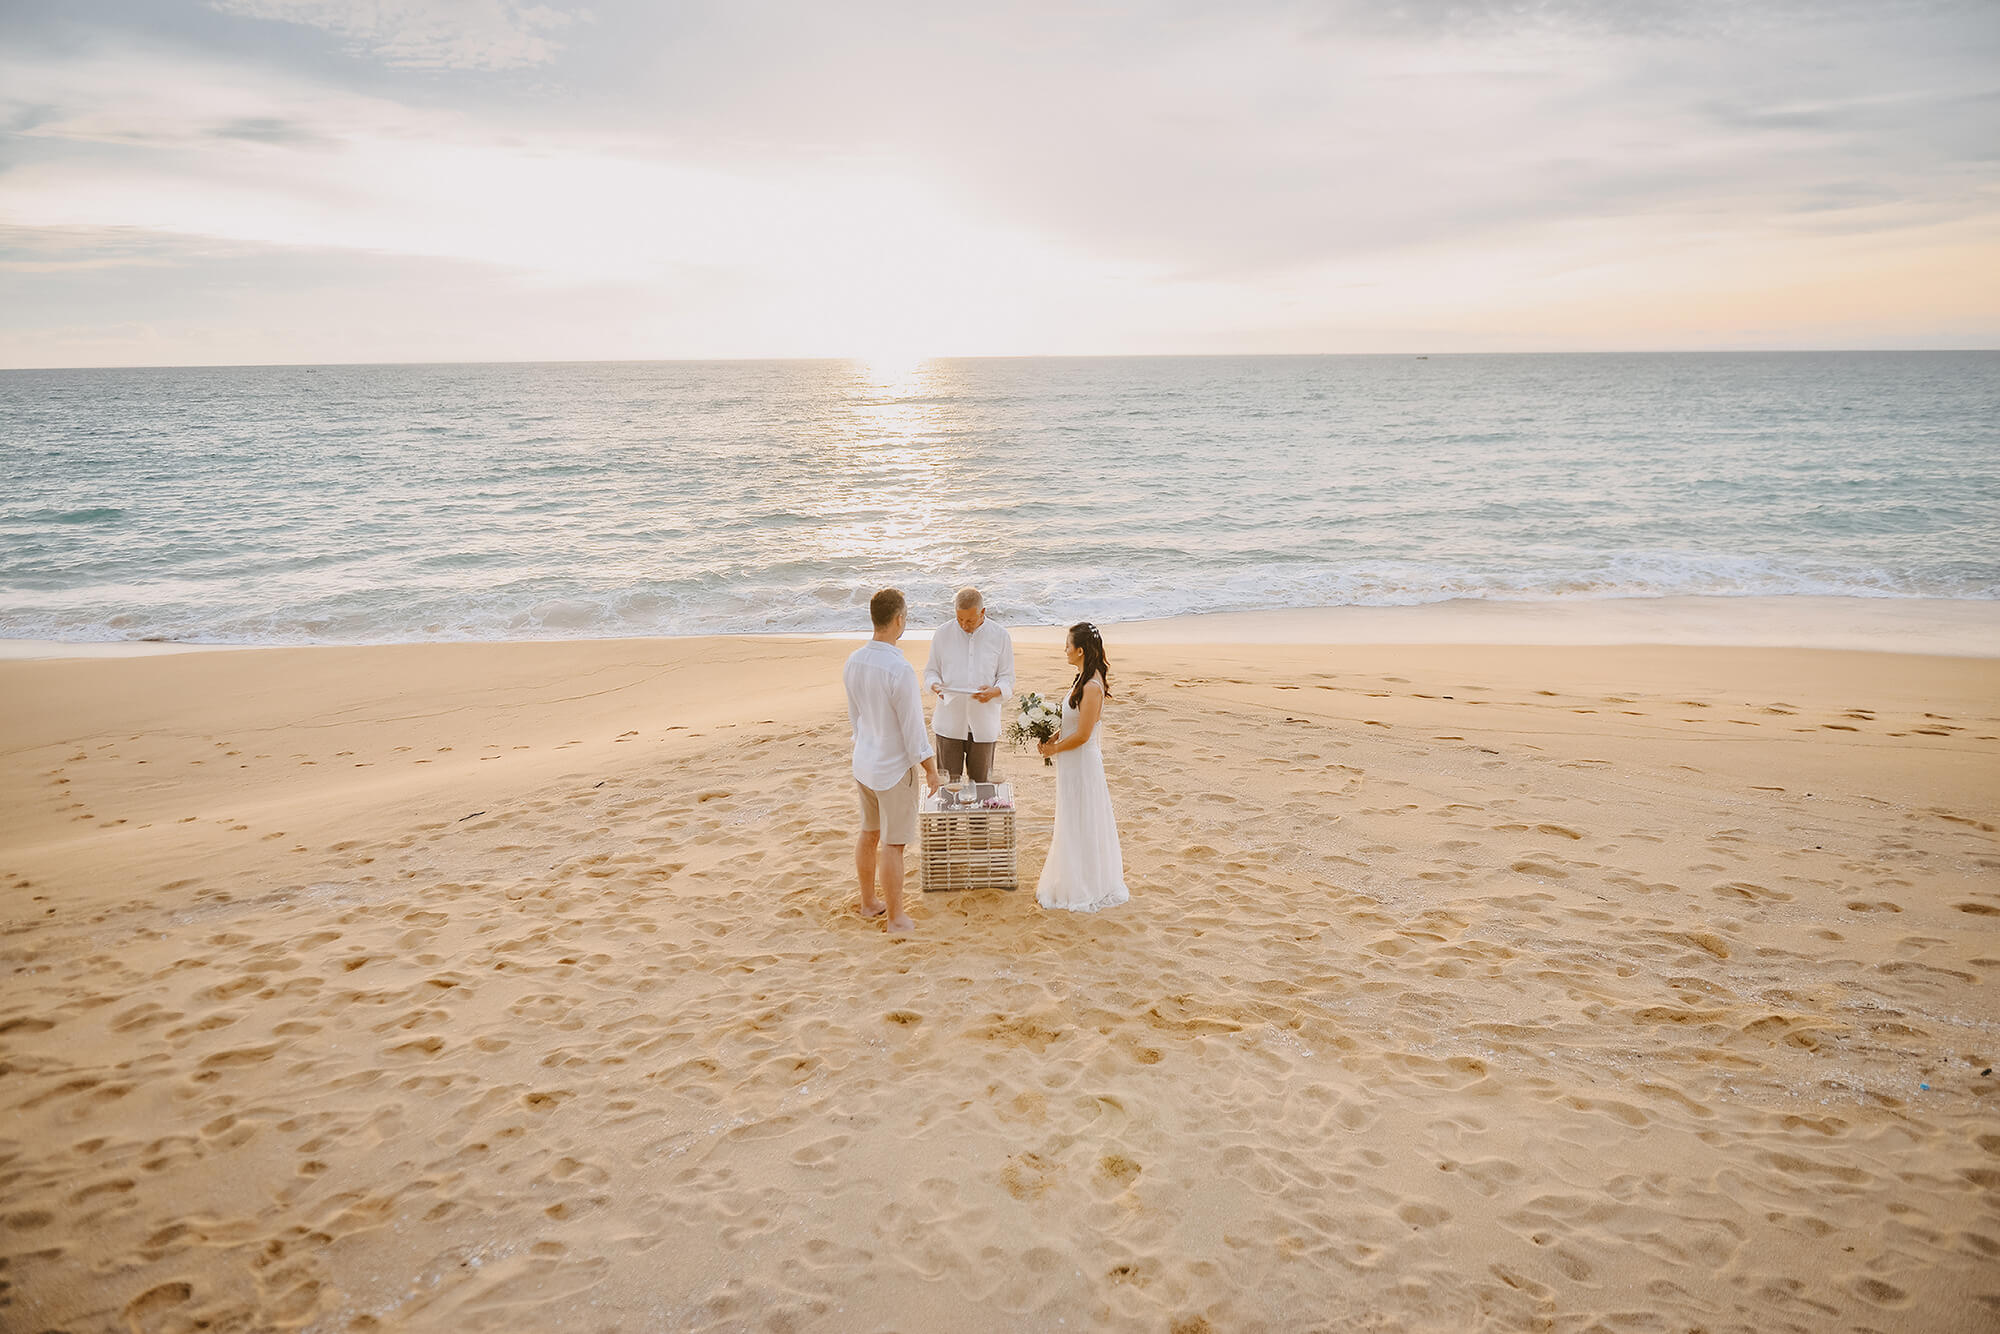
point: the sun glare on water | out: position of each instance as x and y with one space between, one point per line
892 370
890 503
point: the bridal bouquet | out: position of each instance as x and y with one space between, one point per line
1035 720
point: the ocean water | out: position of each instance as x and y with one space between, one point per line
392 503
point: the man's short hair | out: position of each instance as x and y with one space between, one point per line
885 606
968 599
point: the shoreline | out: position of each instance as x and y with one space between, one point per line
1947 627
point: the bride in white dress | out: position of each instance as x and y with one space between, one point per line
1085 869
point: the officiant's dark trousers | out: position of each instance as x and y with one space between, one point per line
974 758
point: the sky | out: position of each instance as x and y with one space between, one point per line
298 181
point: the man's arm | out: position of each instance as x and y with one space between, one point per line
916 737
933 674
1006 678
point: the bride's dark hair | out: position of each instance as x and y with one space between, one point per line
1085 636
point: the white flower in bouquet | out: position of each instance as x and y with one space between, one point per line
1034 720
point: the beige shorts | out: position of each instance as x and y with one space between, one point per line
892 810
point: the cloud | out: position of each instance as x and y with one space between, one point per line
428 34
270 130
797 178
100 297
1650 19
1258 137
75 249
819 258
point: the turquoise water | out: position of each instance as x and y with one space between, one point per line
388 503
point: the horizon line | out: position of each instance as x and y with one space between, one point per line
1008 356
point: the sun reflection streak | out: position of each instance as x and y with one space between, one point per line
893 510
899 374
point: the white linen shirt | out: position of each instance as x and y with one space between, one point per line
963 664
886 710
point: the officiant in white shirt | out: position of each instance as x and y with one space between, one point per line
971 670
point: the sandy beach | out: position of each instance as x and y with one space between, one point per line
520 987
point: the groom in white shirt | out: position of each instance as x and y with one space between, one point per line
891 756
971 669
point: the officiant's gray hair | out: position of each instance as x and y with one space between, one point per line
968 599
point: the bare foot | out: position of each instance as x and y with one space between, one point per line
870 908
900 924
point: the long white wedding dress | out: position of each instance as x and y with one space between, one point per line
1085 869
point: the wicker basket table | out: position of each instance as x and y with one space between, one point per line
967 846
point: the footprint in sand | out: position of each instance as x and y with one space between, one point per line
1029 1176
